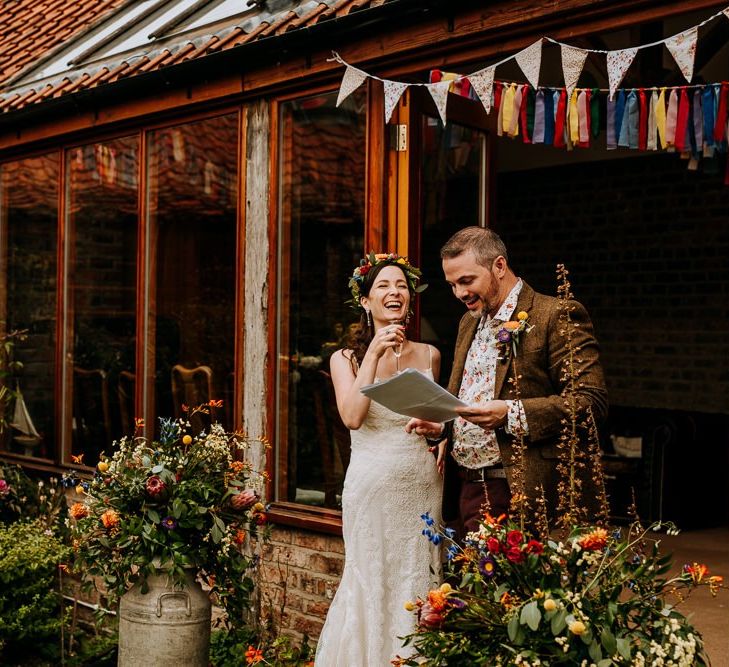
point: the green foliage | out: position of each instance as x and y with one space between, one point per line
30 616
177 503
597 598
26 499
232 648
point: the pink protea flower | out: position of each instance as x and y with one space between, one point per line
244 499
155 486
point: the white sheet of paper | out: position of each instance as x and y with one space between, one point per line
413 394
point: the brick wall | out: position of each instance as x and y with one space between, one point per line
647 244
299 576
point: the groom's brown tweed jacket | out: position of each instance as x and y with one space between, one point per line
539 363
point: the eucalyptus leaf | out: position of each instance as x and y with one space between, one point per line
624 648
530 615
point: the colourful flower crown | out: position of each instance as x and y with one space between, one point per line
359 275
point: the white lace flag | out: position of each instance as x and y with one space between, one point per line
530 61
483 83
393 93
439 93
617 65
573 60
726 12
683 50
353 78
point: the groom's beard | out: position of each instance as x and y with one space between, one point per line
476 314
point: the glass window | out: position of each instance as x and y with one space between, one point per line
101 269
192 204
322 179
28 242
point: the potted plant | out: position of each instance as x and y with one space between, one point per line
160 517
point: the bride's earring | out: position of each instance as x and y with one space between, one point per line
369 319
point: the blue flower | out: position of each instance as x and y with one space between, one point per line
436 539
450 533
452 552
487 567
427 518
456 603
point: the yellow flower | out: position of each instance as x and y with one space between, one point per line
446 588
186 440
79 489
578 628
102 466
550 604
409 606
522 315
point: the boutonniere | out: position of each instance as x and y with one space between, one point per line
509 334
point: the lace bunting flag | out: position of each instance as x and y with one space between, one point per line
683 50
573 60
530 61
393 93
439 93
726 12
352 79
618 63
483 83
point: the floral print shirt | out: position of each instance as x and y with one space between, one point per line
474 447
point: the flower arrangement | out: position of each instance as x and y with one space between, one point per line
182 501
518 594
599 597
360 272
508 335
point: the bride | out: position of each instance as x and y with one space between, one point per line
391 481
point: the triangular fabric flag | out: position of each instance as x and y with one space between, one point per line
683 50
617 65
353 79
573 60
530 61
439 93
483 83
726 12
393 93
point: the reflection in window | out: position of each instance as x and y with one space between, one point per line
322 166
192 183
102 220
29 210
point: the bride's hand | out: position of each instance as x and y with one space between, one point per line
387 337
440 459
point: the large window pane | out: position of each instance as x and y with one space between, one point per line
102 219
321 230
29 210
192 181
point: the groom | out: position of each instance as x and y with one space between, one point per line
479 448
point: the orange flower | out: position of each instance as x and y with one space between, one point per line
697 572
240 536
253 656
78 459
715 584
594 541
138 422
511 325
110 519
437 600
490 521
506 600
79 511
215 404
237 467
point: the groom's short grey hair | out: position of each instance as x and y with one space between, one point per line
485 244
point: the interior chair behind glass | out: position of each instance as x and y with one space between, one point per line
192 387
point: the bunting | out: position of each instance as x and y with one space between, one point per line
483 83
683 49
530 61
353 79
573 60
618 63
439 93
393 93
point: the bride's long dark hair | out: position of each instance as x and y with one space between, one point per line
359 336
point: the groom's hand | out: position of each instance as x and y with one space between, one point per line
489 415
430 430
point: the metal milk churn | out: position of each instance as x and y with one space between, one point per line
165 627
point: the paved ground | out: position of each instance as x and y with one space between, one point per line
709 615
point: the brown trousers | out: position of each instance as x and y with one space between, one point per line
472 500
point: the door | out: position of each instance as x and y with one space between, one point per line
441 182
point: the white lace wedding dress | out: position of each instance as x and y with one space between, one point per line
391 481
